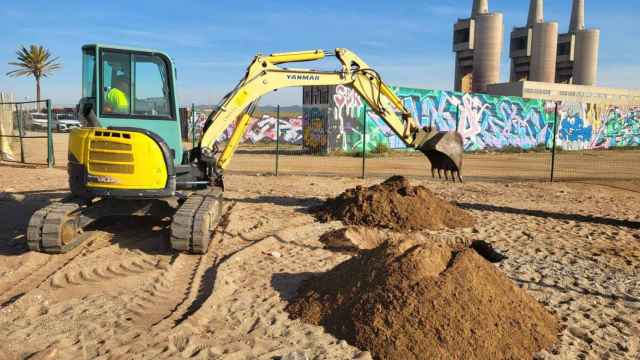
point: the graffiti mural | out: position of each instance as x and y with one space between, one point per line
348 119
314 135
596 126
262 130
485 122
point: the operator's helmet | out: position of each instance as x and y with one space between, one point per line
120 80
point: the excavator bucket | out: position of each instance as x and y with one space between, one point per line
444 150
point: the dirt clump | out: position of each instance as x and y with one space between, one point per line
408 300
394 204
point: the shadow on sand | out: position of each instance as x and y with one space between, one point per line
287 284
148 234
553 215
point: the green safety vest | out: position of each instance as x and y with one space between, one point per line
118 100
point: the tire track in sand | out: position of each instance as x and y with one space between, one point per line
54 263
104 272
170 293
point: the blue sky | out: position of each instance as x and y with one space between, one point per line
212 42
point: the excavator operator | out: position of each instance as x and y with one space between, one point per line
117 100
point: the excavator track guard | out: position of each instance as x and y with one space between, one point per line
444 150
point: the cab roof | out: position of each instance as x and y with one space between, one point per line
127 48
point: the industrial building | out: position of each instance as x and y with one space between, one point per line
477 42
558 67
566 92
577 61
539 54
533 48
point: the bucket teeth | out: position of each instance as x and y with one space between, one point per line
444 150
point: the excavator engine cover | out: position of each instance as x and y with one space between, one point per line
444 150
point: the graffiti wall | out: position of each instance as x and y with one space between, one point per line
595 126
262 130
485 122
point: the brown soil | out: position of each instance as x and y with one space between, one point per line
412 300
394 204
353 238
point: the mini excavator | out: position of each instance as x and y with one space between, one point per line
129 158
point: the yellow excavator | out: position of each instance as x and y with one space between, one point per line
129 158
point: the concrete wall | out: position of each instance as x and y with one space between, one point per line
595 126
485 122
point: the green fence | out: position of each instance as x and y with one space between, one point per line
26 132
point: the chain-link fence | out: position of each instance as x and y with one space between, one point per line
514 140
26 132
598 144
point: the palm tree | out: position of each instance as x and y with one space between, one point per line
35 61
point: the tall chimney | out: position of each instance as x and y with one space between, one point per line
479 7
577 16
536 13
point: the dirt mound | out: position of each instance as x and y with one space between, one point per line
394 204
353 238
423 301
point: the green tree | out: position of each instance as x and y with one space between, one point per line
35 61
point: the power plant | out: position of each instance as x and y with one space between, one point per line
578 50
533 48
538 53
477 42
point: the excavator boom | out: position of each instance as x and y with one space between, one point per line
443 149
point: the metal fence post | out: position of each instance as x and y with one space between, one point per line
19 113
193 125
51 162
364 138
555 134
277 136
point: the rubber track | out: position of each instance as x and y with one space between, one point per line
43 231
194 221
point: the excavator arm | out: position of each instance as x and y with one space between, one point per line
443 149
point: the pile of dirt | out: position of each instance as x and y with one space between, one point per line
353 238
394 204
408 300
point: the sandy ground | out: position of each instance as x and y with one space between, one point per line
126 295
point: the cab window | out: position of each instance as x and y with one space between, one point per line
116 83
152 95
88 73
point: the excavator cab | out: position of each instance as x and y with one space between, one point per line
130 114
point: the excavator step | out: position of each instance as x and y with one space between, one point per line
195 220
